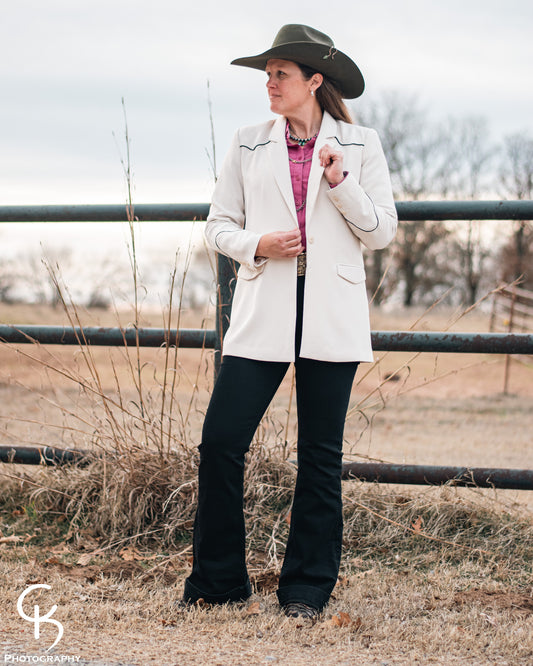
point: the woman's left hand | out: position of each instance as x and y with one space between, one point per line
331 159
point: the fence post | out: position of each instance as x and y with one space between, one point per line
226 274
509 330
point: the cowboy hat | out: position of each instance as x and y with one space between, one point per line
307 46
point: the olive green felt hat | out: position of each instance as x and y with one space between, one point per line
308 46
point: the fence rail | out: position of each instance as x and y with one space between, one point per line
481 477
196 338
488 343
407 210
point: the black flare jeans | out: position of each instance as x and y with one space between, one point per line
242 393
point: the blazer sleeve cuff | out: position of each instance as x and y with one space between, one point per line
354 204
239 244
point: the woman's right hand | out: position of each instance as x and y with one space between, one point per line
280 244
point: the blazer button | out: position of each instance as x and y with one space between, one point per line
311 240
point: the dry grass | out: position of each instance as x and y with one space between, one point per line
426 578
429 575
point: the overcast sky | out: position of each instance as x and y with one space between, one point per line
66 64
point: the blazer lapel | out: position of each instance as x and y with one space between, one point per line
279 158
328 129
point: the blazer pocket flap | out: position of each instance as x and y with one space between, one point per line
247 273
353 274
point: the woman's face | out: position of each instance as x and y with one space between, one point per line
288 91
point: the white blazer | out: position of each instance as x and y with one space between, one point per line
254 196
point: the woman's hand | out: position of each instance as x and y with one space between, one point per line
331 159
280 244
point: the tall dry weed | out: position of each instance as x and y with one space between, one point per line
141 485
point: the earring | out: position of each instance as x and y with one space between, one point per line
313 93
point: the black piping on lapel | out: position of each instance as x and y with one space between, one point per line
256 146
347 144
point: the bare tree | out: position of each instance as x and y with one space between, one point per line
9 277
449 159
472 157
417 154
516 172
39 282
516 176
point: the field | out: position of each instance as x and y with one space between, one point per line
429 575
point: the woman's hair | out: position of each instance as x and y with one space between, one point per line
328 96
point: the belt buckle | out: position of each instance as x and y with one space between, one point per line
302 264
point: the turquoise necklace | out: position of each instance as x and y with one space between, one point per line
301 142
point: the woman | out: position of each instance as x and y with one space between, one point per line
295 200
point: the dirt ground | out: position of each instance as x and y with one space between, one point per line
114 614
446 409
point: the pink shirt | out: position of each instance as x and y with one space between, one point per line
300 167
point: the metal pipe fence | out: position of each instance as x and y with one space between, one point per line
199 338
441 342
480 477
411 211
